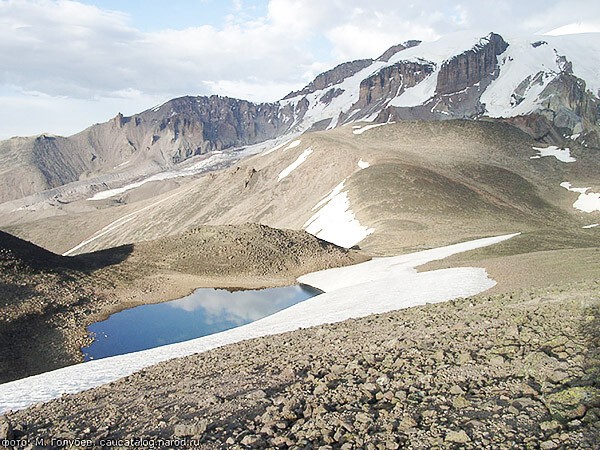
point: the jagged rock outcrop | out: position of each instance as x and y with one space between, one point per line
390 82
472 66
567 108
570 104
156 138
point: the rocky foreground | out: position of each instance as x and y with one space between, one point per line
517 370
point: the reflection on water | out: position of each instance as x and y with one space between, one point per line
204 312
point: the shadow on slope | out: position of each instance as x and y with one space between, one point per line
19 255
40 292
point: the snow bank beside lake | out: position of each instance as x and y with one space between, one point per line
377 286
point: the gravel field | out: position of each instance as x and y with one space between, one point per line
518 370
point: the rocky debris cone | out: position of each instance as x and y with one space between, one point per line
507 371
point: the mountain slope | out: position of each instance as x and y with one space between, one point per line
523 364
145 143
548 86
462 76
391 189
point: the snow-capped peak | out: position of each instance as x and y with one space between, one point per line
458 76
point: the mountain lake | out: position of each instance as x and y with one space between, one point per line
205 311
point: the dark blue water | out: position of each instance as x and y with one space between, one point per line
206 311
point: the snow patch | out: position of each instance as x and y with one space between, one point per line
418 94
574 28
562 154
586 202
388 268
293 166
271 150
376 286
363 164
594 225
361 130
217 160
335 191
335 222
113 192
293 144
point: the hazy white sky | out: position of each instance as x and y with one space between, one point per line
65 65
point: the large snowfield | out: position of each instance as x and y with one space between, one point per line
377 286
526 68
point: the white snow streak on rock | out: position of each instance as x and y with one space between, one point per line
112 192
292 144
418 94
201 166
387 283
293 166
123 164
349 92
587 201
368 127
562 154
594 225
271 150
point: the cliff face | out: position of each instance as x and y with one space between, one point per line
566 108
572 105
472 66
156 138
390 82
195 125
185 127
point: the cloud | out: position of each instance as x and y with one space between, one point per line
68 50
80 51
238 307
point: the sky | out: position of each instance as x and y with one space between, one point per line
66 64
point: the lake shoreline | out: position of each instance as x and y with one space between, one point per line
46 325
204 312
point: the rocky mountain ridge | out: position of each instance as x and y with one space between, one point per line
548 88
